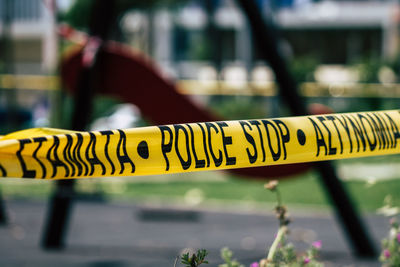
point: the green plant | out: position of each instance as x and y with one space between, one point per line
390 255
227 255
194 260
281 252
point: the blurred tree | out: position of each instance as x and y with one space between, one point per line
394 64
368 70
303 68
239 107
78 15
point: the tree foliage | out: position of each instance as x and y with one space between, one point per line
79 14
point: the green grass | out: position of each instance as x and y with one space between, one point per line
371 198
303 191
395 158
306 191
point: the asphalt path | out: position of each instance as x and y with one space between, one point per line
129 234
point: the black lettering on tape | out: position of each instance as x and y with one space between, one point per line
106 152
39 140
52 157
395 130
217 160
257 124
3 171
205 144
386 130
381 130
67 154
380 134
25 172
199 163
184 163
358 132
123 157
285 137
345 126
166 147
331 150
319 137
332 119
378 130
275 155
226 140
76 155
93 160
372 145
250 139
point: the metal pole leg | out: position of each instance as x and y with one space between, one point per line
60 205
265 36
3 213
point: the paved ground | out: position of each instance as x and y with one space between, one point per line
112 234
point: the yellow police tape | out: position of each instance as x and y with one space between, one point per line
56 154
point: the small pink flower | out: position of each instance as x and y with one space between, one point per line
386 253
398 237
254 264
317 244
306 260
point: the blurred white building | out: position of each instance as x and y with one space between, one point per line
31 29
342 31
335 32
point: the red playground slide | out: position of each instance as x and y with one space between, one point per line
133 78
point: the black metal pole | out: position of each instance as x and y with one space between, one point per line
60 206
7 56
3 213
268 43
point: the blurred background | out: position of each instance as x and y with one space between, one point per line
344 55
